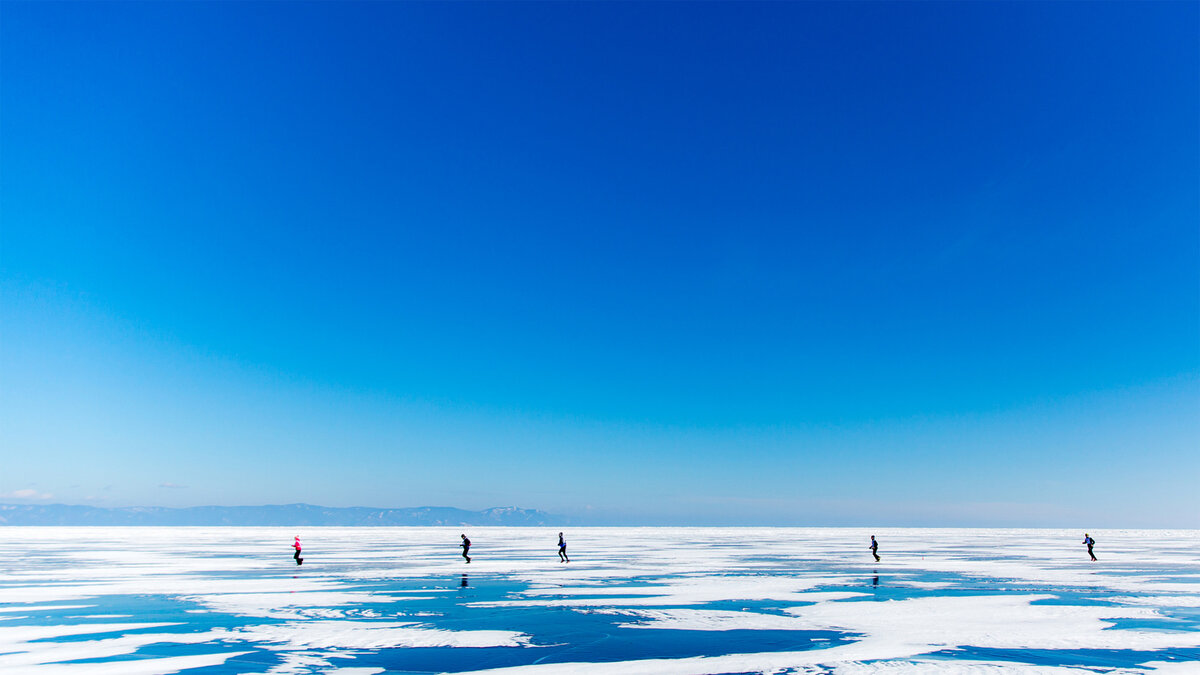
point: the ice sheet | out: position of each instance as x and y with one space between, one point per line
653 600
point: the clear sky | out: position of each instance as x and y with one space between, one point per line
782 263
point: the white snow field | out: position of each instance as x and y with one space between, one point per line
144 600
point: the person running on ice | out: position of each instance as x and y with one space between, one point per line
296 555
874 548
466 546
562 549
1089 542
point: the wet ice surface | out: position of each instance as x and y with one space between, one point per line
632 600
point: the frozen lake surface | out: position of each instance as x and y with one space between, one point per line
130 601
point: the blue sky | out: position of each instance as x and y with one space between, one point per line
807 263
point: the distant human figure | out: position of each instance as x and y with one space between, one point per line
562 549
1089 542
296 555
466 546
874 548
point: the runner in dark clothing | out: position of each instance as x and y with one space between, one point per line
874 548
1089 542
562 549
466 546
296 555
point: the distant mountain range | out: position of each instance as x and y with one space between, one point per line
274 515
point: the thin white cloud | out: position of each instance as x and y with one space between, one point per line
26 493
173 486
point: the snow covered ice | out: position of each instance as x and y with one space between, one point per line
82 601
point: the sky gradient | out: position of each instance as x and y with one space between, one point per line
808 263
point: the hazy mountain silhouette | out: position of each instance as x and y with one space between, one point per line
283 514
